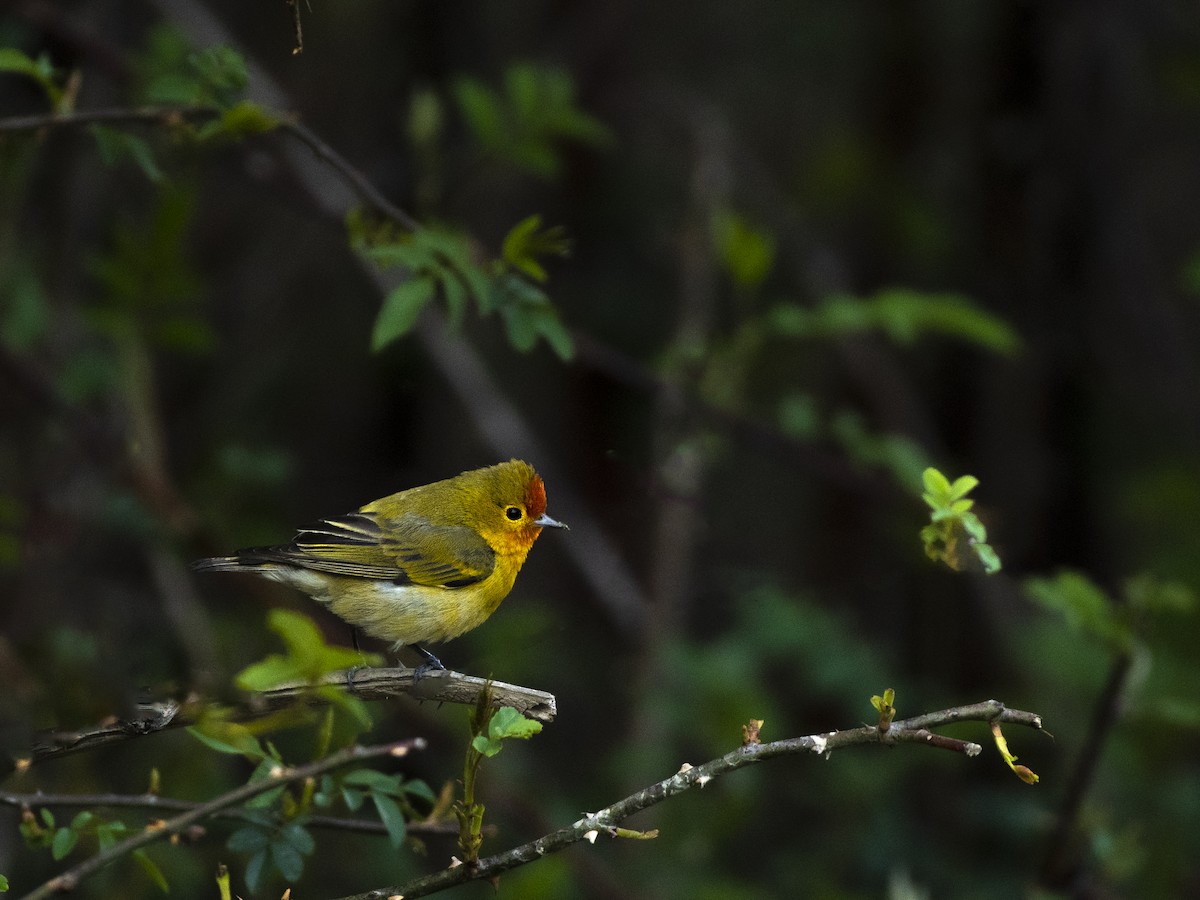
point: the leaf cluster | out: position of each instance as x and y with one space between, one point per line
955 536
524 123
42 831
439 262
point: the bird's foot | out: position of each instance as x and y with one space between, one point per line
431 664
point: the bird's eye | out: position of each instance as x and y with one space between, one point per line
513 513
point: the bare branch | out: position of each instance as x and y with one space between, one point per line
156 803
593 825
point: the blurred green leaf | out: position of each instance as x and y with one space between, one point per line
24 308
255 867
40 70
747 253
248 839
242 119
153 872
221 75
288 860
1082 605
227 737
63 843
116 145
308 657
401 308
392 819
527 241
902 314
524 126
108 833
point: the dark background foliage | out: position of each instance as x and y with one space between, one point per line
186 369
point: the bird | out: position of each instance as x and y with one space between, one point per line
420 566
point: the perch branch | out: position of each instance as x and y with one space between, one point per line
70 879
592 825
368 684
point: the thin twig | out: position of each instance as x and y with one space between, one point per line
1059 863
38 799
176 115
592 825
70 879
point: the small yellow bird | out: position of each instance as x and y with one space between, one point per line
426 564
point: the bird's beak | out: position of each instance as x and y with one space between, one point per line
544 521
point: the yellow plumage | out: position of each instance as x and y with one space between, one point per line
424 565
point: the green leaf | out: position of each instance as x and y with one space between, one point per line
962 486
936 485
509 723
109 833
418 788
308 657
287 860
115 145
248 840
47 817
227 737
299 837
153 872
391 817
989 558
63 843
455 292
400 310
1082 605
270 672
40 70
353 798
222 75
376 781
486 746
81 820
254 869
747 253
480 106
526 241
3 883
243 119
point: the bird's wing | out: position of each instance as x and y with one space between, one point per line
410 550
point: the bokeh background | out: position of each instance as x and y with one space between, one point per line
815 248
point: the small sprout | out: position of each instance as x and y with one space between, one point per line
1026 774
751 730
632 835
703 780
455 862
686 767
155 782
590 836
223 882
887 712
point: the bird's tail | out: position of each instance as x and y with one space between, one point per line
221 564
